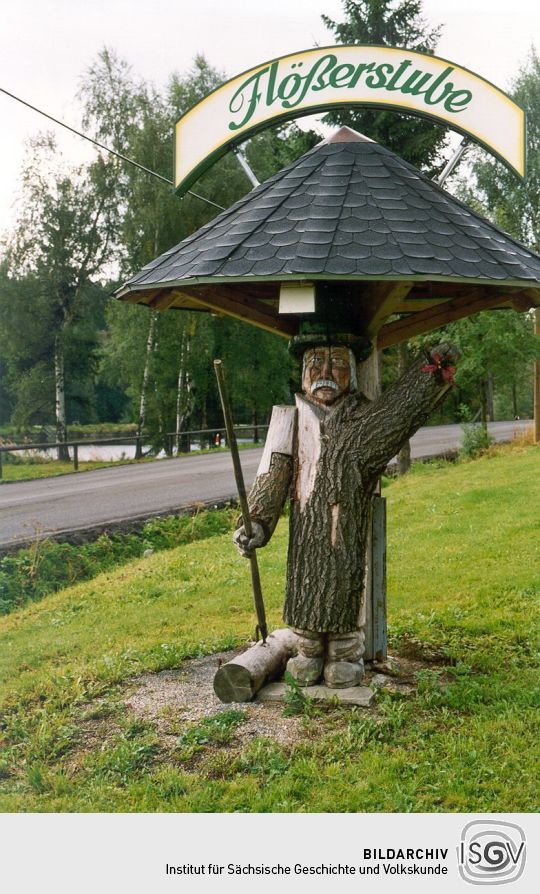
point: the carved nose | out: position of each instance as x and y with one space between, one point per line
326 371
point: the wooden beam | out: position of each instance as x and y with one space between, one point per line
163 301
139 297
522 302
380 302
415 305
219 300
425 321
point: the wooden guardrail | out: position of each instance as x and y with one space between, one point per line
185 438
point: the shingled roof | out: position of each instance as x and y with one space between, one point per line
349 210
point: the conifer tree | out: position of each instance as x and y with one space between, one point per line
391 23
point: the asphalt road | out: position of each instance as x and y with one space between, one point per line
73 504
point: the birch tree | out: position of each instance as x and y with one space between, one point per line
63 238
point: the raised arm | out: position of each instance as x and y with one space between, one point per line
385 425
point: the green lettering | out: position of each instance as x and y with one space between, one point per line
238 99
393 82
308 80
330 61
359 72
429 97
294 80
452 104
379 80
293 88
339 76
416 88
270 95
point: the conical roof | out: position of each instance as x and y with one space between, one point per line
350 210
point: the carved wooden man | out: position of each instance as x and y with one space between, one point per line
327 453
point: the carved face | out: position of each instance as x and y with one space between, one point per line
327 374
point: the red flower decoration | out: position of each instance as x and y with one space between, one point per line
448 373
443 366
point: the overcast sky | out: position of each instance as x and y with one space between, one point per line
45 46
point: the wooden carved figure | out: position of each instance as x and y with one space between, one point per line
326 454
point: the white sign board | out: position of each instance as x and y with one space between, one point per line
321 79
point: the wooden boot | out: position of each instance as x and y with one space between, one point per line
307 666
343 664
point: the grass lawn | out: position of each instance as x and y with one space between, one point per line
464 580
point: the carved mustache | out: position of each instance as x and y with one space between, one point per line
324 383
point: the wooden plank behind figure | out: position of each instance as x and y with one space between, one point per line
366 610
373 612
378 578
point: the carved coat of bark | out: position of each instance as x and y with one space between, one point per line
404 455
329 518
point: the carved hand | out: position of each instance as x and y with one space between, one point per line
246 545
446 352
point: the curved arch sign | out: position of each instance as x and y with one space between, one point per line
320 79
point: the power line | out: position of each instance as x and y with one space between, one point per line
107 148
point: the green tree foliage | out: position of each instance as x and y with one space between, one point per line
78 225
499 346
392 23
142 350
512 203
258 370
62 239
27 347
494 375
173 368
274 149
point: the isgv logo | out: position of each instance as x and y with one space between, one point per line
491 852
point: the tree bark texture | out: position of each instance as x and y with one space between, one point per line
338 456
404 455
60 398
326 563
369 384
269 493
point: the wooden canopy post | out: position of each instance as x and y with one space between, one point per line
373 610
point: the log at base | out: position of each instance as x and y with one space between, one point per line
240 679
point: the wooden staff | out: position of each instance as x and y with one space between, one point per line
231 437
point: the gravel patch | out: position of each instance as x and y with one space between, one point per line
177 698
